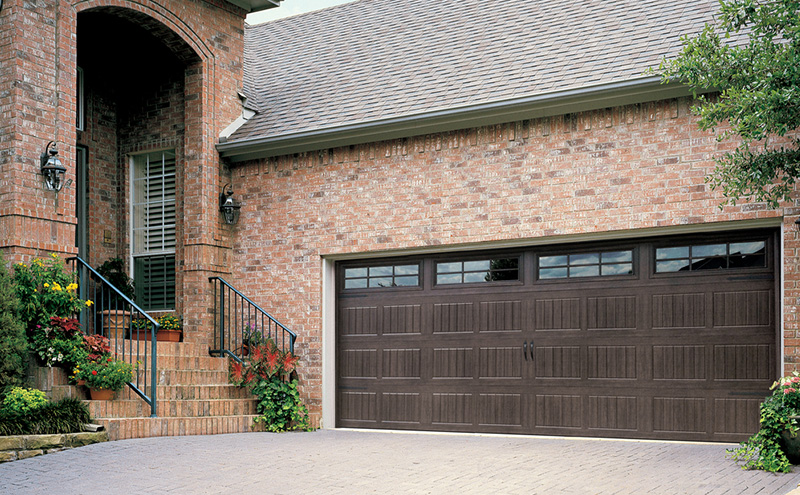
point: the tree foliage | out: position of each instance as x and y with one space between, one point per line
752 57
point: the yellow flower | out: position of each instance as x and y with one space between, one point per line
72 286
89 303
46 284
54 255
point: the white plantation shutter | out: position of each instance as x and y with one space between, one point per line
153 229
154 203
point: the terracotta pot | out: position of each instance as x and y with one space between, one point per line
80 382
161 335
101 394
116 323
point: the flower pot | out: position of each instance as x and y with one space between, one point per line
161 335
116 323
101 394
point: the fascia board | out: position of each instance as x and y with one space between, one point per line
255 5
538 106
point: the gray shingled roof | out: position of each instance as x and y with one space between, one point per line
377 59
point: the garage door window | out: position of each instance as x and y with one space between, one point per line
586 264
711 256
477 271
371 277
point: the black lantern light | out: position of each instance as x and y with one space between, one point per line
229 207
51 168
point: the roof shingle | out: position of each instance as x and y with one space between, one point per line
377 59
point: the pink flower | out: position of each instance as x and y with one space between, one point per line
795 379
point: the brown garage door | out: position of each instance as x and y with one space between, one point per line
673 338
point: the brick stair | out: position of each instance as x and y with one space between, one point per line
194 398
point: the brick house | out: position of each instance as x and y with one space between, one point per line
474 218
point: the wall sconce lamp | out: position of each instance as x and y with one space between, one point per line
51 168
229 207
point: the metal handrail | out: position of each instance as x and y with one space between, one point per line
110 303
240 322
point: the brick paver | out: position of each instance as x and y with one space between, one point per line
355 462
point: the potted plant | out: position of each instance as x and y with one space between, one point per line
116 320
776 445
104 377
169 329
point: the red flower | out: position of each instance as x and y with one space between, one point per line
108 360
94 372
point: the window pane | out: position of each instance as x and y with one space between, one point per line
709 263
473 277
355 272
747 261
380 271
584 271
553 261
618 269
709 250
672 253
470 266
617 256
584 259
358 283
380 282
452 278
672 266
546 273
747 247
448 267
505 275
406 270
408 281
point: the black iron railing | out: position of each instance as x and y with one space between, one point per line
130 330
241 323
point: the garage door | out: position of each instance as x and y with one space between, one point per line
673 338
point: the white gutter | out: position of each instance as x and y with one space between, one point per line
530 107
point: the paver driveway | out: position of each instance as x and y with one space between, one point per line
355 462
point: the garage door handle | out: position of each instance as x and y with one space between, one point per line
532 359
525 350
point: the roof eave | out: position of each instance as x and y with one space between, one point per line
543 105
256 5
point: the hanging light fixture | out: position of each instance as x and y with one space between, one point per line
229 207
51 168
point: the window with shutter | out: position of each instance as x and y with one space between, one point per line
153 229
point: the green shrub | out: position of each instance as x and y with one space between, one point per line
104 374
65 416
13 345
23 400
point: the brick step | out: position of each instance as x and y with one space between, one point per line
201 392
129 408
145 427
163 348
187 377
206 363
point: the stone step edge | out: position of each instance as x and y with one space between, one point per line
146 427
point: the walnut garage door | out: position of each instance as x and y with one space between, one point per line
673 338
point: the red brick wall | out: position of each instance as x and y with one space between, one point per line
620 169
38 43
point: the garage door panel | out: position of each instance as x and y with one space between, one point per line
401 319
684 355
679 311
612 362
453 317
743 308
612 313
453 363
557 361
557 314
679 362
401 363
558 411
607 412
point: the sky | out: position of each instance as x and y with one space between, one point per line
292 7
